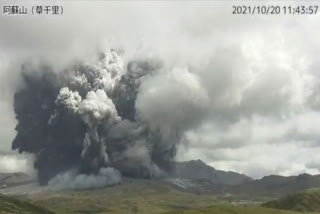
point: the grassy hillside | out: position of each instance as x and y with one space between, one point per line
231 209
136 196
302 201
10 205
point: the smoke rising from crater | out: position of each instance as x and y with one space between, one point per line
94 120
247 78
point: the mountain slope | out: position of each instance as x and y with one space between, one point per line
302 201
198 170
12 179
230 209
10 205
142 196
276 186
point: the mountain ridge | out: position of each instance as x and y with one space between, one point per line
276 185
197 177
15 178
198 170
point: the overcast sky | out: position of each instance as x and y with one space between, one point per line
261 74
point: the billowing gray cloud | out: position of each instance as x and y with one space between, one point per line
243 89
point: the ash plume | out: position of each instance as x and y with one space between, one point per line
94 122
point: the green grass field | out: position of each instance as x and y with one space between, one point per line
302 201
138 196
9 205
231 209
144 197
168 203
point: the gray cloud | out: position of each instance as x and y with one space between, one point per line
73 180
244 88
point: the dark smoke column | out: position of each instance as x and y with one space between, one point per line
55 148
81 124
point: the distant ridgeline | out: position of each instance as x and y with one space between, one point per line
276 186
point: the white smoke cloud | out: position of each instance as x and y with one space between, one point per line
72 180
97 107
110 70
68 99
10 163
